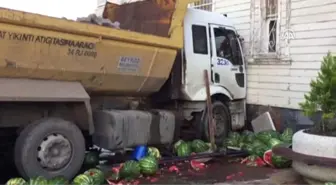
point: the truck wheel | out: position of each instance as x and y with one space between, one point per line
221 115
50 147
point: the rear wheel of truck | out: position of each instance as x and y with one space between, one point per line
50 147
222 118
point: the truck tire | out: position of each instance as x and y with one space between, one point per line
221 114
50 147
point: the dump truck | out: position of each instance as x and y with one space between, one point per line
67 85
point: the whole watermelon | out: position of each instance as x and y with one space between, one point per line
259 151
249 149
264 136
247 136
177 144
152 151
83 179
257 143
199 146
234 135
37 181
16 181
96 174
274 142
280 162
287 135
130 170
91 158
58 181
149 165
183 150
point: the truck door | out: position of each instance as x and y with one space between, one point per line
227 63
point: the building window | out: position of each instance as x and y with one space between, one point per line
200 41
203 5
271 7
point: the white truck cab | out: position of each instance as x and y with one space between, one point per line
211 43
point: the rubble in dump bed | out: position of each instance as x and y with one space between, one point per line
94 19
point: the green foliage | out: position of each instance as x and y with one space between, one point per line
322 95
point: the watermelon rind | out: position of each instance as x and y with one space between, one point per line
83 179
149 165
16 181
37 181
267 157
96 174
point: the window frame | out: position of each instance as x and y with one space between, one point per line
206 52
238 47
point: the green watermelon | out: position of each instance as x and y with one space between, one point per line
287 135
257 143
234 135
264 136
58 181
259 151
177 144
249 149
16 181
248 137
91 158
152 151
149 165
274 142
330 183
96 174
130 170
199 146
83 179
274 134
280 162
183 150
38 181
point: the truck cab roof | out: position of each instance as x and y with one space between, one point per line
207 17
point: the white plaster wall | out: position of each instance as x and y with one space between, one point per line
313 23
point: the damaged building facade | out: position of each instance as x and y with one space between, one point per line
284 44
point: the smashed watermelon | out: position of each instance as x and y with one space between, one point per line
267 157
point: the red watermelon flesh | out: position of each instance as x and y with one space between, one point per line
268 157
